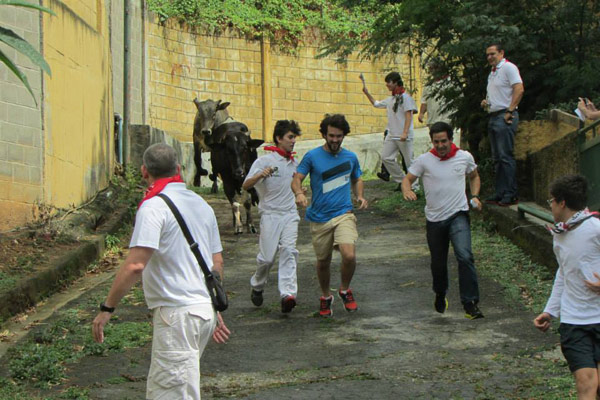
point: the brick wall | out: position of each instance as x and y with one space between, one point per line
20 124
184 65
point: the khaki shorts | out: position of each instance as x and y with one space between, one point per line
328 235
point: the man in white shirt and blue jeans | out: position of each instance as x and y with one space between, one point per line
174 286
443 171
272 175
575 295
504 92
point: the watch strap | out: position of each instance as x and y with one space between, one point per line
105 308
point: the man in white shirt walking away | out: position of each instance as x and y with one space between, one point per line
575 295
174 284
272 175
443 171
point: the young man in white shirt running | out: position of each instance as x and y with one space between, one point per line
443 171
271 175
575 295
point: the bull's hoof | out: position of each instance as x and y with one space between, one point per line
239 231
214 188
196 180
252 229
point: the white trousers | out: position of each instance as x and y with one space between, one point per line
178 340
278 232
389 155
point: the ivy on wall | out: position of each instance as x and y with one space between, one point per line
287 24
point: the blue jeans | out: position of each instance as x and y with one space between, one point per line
456 229
502 142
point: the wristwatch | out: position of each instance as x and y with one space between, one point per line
105 308
509 111
475 196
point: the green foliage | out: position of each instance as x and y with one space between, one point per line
75 393
15 41
41 359
112 243
555 44
284 23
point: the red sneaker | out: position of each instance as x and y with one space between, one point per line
326 310
348 299
288 303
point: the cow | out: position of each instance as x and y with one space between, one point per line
209 115
232 154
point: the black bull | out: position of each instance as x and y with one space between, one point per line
232 153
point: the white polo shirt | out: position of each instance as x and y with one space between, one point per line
500 85
275 192
444 183
172 277
395 125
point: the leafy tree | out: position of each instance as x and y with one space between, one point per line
556 45
15 41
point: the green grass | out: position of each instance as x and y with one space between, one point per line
40 360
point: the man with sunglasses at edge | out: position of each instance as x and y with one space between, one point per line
173 282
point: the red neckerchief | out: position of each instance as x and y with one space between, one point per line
398 90
495 67
158 186
451 153
287 154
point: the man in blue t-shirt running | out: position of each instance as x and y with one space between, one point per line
333 172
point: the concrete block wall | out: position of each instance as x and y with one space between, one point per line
305 88
183 65
21 151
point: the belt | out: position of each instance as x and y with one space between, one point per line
496 113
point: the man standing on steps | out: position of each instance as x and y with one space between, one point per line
443 170
272 175
504 92
334 171
400 108
174 286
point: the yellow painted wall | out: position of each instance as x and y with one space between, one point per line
184 65
78 102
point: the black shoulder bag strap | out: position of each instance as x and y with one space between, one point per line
215 289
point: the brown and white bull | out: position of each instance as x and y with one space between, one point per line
209 115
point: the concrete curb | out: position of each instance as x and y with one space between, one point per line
72 265
530 237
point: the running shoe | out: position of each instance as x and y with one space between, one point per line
348 299
441 303
472 311
326 310
257 297
288 303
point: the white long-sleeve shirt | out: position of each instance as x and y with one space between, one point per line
578 255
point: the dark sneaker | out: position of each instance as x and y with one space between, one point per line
441 303
508 202
348 300
493 200
383 176
326 310
256 297
472 311
288 303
